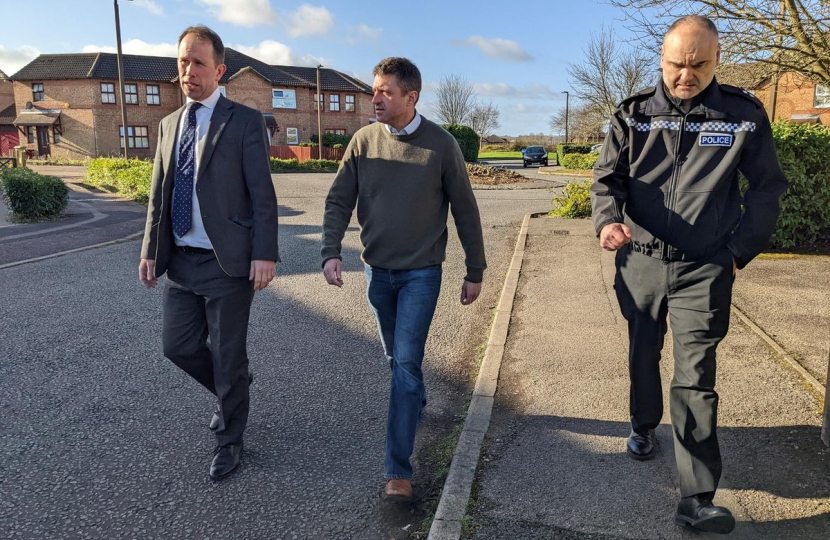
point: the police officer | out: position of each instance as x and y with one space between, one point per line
666 198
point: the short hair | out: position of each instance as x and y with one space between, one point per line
704 23
409 77
203 32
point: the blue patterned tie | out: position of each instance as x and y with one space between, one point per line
185 171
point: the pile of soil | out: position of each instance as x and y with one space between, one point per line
493 175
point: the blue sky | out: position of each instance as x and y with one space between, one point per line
515 53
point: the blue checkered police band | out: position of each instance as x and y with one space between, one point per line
692 127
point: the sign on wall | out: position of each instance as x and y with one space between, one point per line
292 136
284 98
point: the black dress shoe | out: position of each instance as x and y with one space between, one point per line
699 513
215 420
225 460
641 444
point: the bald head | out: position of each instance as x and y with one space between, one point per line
689 56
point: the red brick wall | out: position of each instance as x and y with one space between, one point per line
795 96
6 94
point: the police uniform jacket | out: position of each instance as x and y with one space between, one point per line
673 177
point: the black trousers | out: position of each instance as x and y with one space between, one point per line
696 296
205 330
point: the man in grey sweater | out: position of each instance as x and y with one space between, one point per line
403 173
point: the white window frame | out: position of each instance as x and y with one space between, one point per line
283 98
292 136
821 96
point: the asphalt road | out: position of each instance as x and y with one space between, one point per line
102 437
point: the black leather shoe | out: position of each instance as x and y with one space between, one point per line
215 420
225 460
699 513
641 445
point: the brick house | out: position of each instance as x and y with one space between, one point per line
797 99
68 105
8 133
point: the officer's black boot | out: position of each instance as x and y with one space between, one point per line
641 444
699 513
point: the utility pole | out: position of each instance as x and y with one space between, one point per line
319 125
121 75
779 40
567 113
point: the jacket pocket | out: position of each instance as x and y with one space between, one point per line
245 222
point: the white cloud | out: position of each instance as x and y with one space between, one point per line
242 12
310 21
137 46
150 6
497 48
274 52
11 60
363 33
533 91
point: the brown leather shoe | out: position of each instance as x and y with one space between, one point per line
397 490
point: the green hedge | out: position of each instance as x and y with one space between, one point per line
467 140
31 196
579 161
319 165
330 139
563 149
804 153
130 177
574 202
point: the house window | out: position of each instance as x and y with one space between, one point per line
336 131
319 99
349 103
137 136
334 102
131 94
153 97
30 134
222 91
56 136
37 92
822 98
292 136
107 92
283 99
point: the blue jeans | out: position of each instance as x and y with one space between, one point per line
403 302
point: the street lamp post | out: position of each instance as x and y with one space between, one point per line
319 125
567 113
120 61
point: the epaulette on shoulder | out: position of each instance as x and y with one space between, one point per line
646 92
736 91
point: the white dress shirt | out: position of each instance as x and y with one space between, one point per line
196 236
410 127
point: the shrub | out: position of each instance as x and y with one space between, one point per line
31 196
579 161
330 139
574 202
467 139
320 165
517 147
803 151
563 149
130 177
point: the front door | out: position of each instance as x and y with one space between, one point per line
42 141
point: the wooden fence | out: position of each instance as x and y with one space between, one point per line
304 153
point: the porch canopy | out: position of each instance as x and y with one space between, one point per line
40 119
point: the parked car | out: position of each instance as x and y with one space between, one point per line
596 148
535 154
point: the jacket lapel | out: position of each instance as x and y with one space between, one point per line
218 121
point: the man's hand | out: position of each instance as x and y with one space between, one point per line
147 273
614 236
469 292
262 272
331 271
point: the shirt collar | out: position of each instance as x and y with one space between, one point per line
209 102
410 127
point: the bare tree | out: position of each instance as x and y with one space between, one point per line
610 72
586 122
456 99
791 35
484 118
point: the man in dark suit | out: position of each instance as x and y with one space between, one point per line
212 227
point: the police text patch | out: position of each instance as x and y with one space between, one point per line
716 139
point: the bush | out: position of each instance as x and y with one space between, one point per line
330 139
278 164
57 161
31 196
563 149
574 202
517 147
803 151
579 161
319 165
467 140
130 177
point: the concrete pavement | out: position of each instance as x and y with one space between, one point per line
553 463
